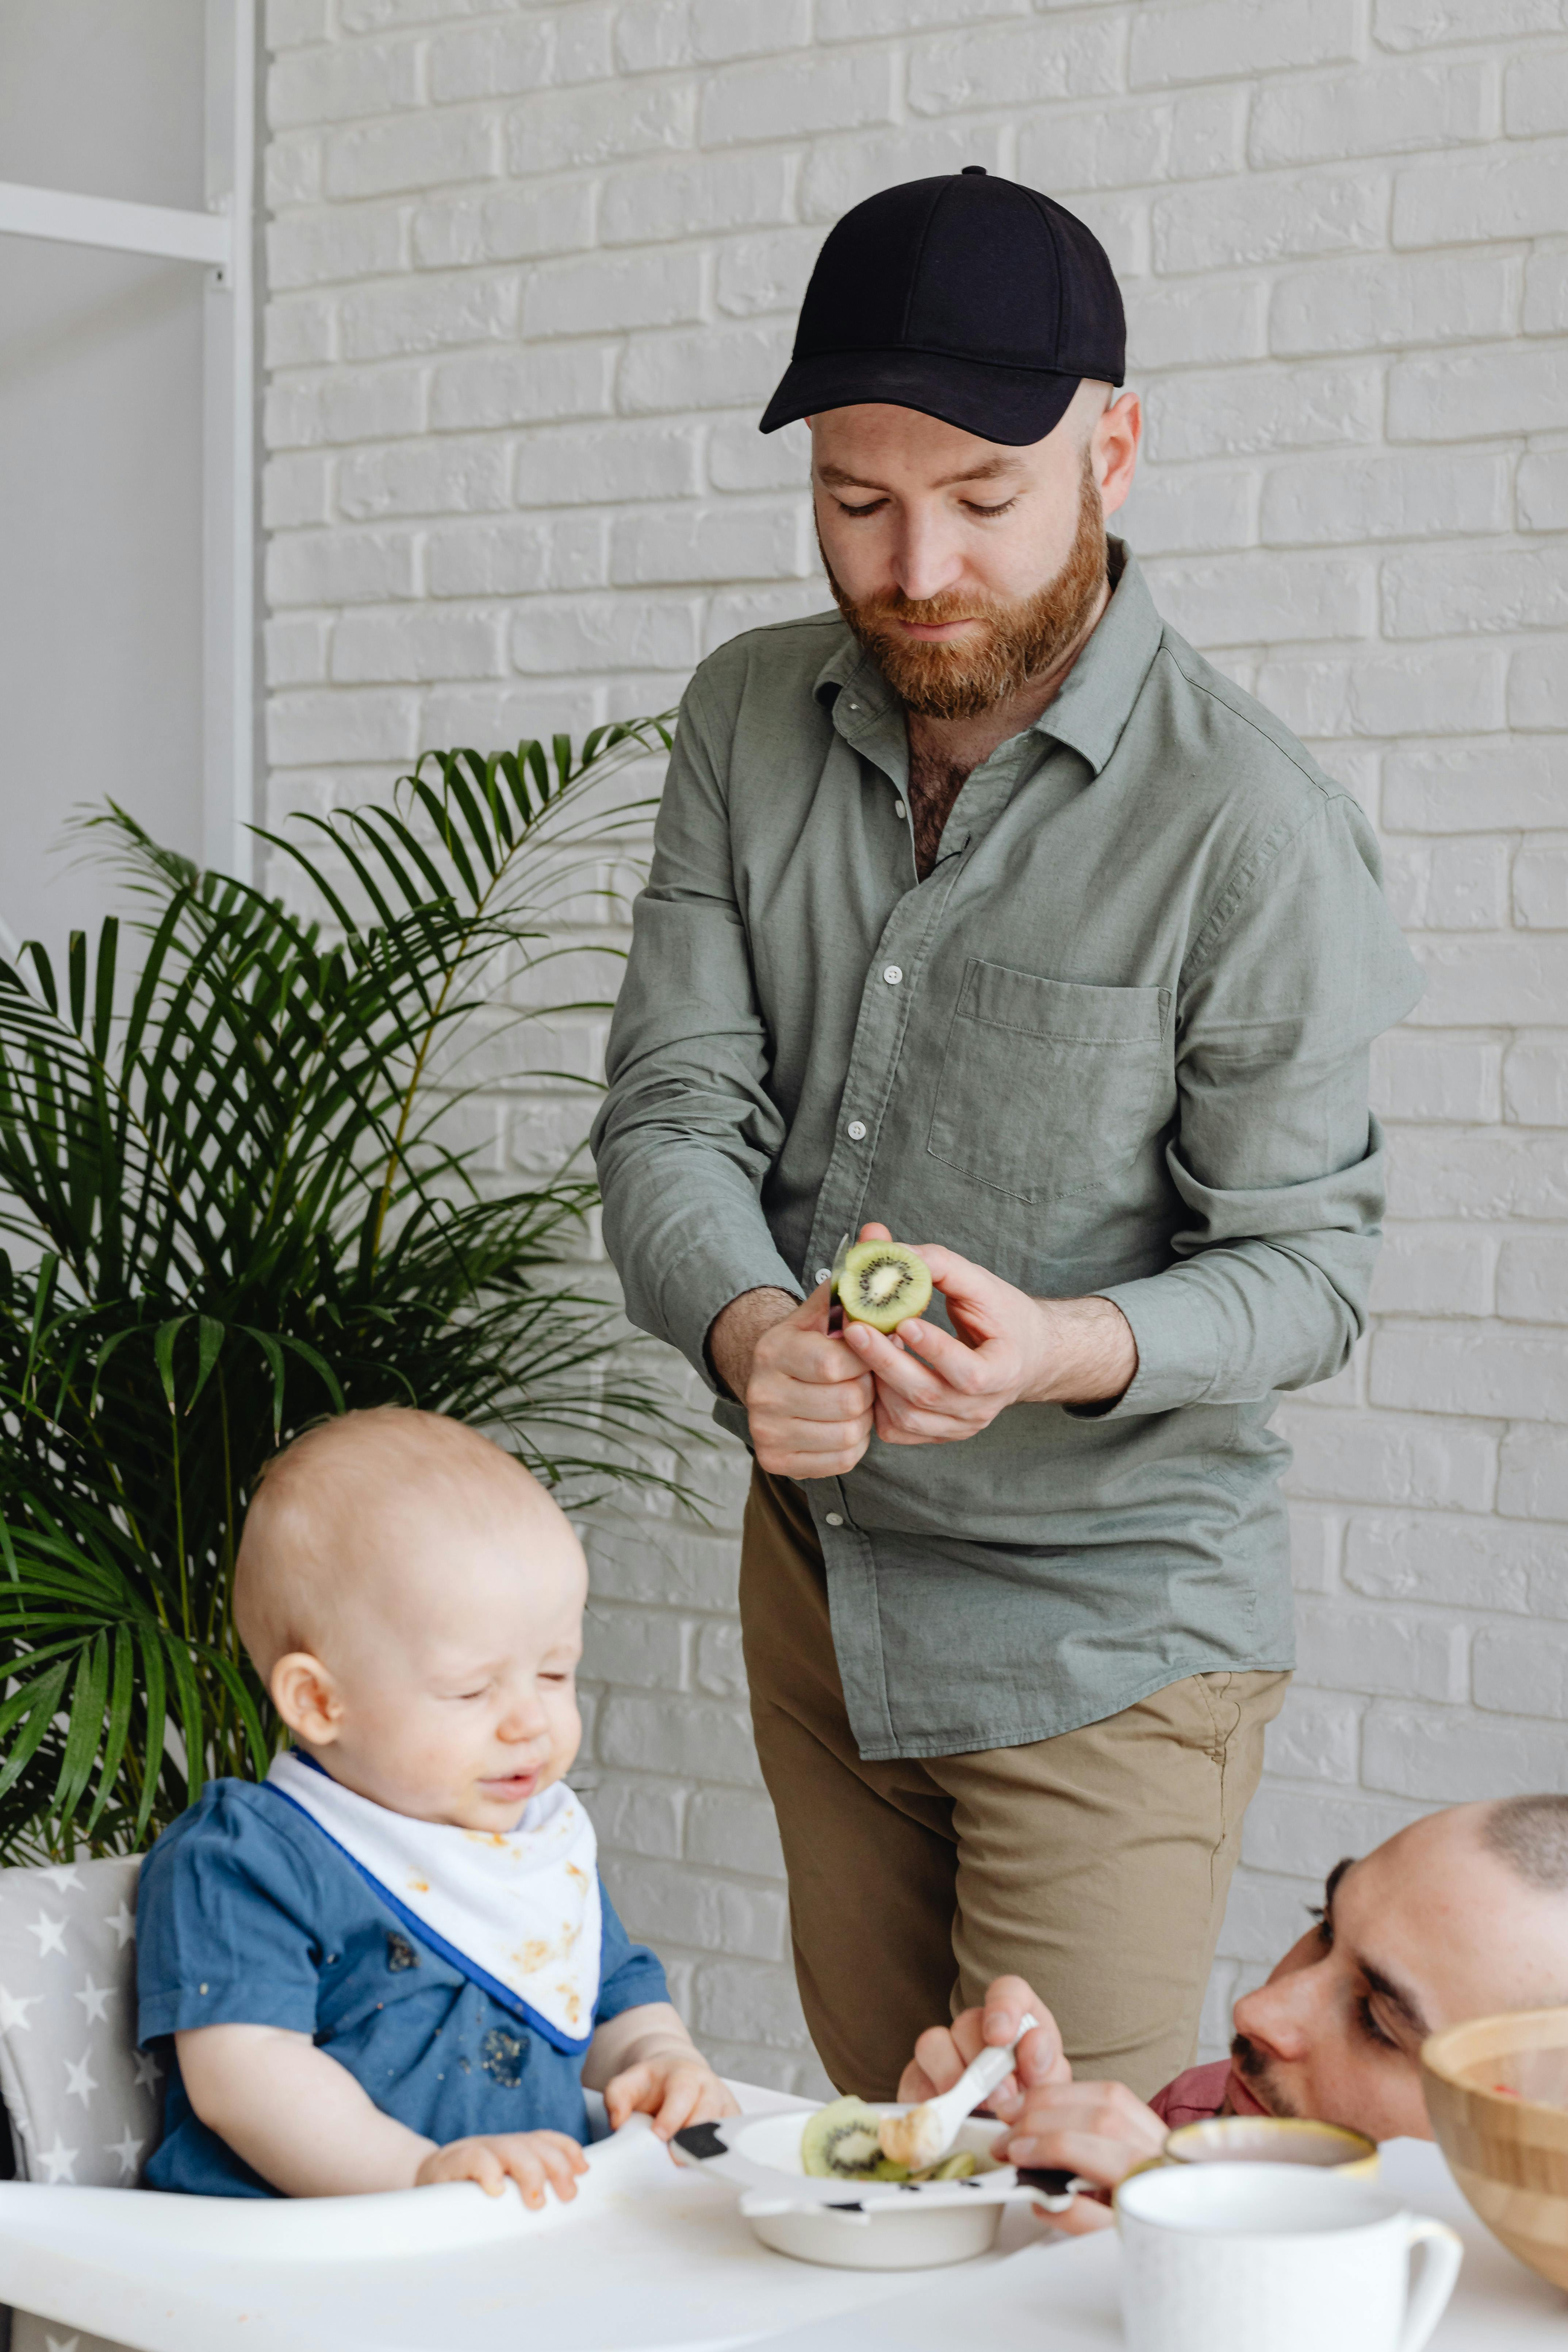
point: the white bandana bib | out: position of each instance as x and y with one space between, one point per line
518 1912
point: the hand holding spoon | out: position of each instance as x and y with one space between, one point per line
924 2136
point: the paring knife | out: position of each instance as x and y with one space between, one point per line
835 1312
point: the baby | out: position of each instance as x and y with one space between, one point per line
394 1963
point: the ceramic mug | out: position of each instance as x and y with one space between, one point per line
1273 2139
1276 2258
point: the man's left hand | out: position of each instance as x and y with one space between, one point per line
933 1388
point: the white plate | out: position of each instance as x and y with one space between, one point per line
860 2225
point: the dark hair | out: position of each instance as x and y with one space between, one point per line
1532 1832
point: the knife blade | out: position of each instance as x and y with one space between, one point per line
835 1310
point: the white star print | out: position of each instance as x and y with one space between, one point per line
14 2011
124 1926
128 2151
79 2084
50 1933
62 1874
95 2000
62 2160
55 2344
149 2073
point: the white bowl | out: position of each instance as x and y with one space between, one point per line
920 2232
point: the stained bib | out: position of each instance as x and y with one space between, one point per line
518 1912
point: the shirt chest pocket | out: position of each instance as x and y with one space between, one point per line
1047 1084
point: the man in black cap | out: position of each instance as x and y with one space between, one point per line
984 912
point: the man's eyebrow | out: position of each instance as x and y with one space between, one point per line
842 481
990 470
1325 1910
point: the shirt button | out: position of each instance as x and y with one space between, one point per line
823 1273
857 1130
833 1519
899 809
892 973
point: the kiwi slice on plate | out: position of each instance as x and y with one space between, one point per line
840 2142
882 1284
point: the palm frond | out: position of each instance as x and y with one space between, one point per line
236 1197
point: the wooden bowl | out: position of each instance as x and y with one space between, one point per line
1496 2093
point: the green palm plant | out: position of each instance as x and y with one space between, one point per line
236 1200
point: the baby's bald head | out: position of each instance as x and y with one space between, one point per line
413 1600
377 1511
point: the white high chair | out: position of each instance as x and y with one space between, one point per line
646 2256
82 2102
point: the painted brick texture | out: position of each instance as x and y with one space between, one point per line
532 270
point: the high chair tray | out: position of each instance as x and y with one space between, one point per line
648 2257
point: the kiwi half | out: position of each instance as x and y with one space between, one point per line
883 1283
840 2142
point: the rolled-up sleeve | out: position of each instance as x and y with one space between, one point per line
1275 1156
688 1131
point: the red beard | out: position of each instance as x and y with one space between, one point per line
1022 639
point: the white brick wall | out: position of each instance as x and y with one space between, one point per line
534 269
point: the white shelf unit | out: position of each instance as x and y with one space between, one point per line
220 241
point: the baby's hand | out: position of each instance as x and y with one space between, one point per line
677 2090
530 2158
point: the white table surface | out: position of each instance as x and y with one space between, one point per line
1061 2296
650 2258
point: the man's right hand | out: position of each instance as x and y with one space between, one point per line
808 1400
1098 2130
943 2051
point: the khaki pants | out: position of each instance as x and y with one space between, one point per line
1095 1864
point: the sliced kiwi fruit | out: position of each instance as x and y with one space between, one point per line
882 1284
959 2166
840 2142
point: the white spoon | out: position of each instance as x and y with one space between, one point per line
923 2135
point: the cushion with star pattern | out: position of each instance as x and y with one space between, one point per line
84 2103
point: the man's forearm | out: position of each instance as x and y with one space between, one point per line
733 1334
1086 1352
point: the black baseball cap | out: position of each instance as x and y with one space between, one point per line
967 297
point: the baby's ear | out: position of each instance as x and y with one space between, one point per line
306 1697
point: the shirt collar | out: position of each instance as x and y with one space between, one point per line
851 661
1095 703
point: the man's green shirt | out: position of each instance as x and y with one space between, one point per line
1116 1041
